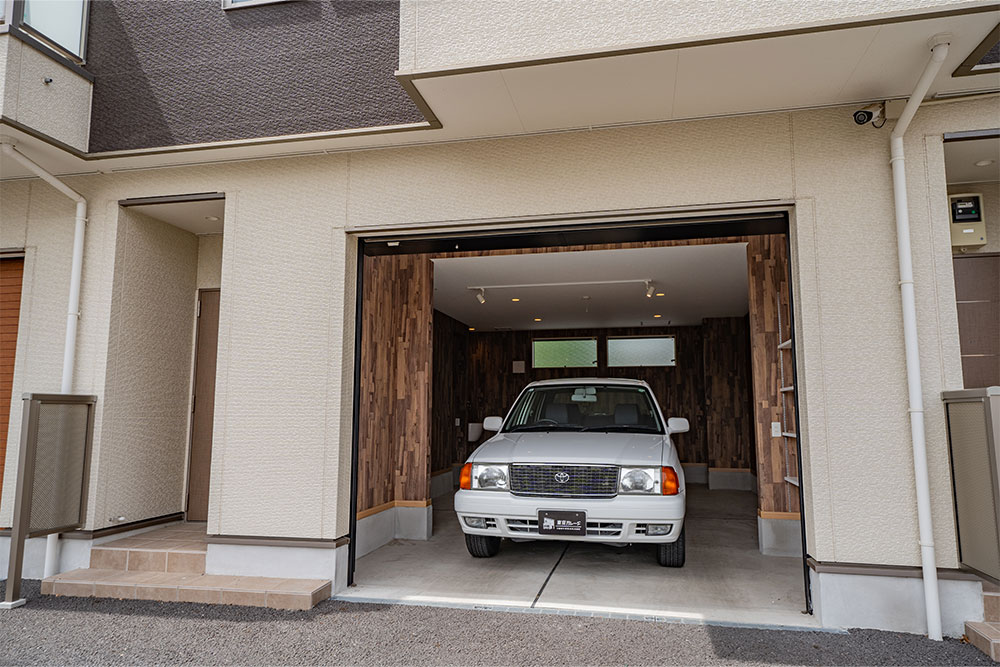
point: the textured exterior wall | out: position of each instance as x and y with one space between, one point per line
210 261
268 70
991 210
141 458
435 34
285 366
60 109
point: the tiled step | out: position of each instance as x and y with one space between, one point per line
180 587
179 548
985 636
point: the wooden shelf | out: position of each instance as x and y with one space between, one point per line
792 480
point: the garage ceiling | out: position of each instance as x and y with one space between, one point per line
594 289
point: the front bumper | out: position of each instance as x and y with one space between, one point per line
622 519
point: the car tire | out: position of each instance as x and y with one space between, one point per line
482 546
671 554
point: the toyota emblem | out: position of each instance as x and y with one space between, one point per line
562 477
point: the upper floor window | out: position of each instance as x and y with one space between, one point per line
60 23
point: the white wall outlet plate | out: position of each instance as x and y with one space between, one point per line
775 429
518 367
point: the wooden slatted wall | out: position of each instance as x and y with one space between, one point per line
11 274
397 352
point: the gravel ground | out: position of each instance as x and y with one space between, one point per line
69 631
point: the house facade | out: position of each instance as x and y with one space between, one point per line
278 153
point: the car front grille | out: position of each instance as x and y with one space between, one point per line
564 481
594 528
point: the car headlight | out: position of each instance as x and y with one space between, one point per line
490 477
639 480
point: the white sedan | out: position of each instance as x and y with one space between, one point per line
585 460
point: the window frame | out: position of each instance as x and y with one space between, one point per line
37 38
607 350
597 351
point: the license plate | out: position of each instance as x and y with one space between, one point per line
562 523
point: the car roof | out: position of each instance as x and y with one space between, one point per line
563 381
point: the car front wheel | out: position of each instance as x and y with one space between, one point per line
670 554
482 546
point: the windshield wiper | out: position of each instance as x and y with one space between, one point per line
623 427
547 427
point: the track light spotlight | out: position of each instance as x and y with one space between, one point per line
481 295
649 289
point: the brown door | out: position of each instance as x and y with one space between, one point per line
977 290
11 271
203 405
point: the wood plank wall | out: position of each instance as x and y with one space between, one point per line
450 398
728 392
397 356
767 268
397 353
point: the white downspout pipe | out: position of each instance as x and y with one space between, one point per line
73 310
932 604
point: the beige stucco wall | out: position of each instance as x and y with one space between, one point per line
436 34
141 461
991 210
60 109
210 261
284 377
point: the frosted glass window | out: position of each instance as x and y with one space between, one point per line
642 351
63 22
564 353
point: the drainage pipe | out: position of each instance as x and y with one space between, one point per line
73 310
932 604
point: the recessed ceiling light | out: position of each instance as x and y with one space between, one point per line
472 328
212 218
515 299
538 319
660 294
657 315
985 163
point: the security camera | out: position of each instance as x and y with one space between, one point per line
873 113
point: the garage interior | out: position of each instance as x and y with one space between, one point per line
450 337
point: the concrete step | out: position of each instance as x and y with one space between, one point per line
985 636
186 587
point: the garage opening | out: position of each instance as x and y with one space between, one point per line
697 316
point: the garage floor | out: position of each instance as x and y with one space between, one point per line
725 579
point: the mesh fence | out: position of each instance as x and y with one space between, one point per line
60 455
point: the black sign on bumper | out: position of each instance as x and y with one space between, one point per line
562 523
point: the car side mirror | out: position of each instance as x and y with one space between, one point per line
678 425
492 424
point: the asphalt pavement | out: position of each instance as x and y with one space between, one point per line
74 631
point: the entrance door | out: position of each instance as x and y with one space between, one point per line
11 270
203 405
977 289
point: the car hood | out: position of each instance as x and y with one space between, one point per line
573 447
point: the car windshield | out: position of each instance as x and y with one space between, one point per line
585 407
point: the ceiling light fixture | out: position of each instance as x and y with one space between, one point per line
515 299
472 328
660 294
212 218
985 163
657 315
481 295
538 319
649 289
